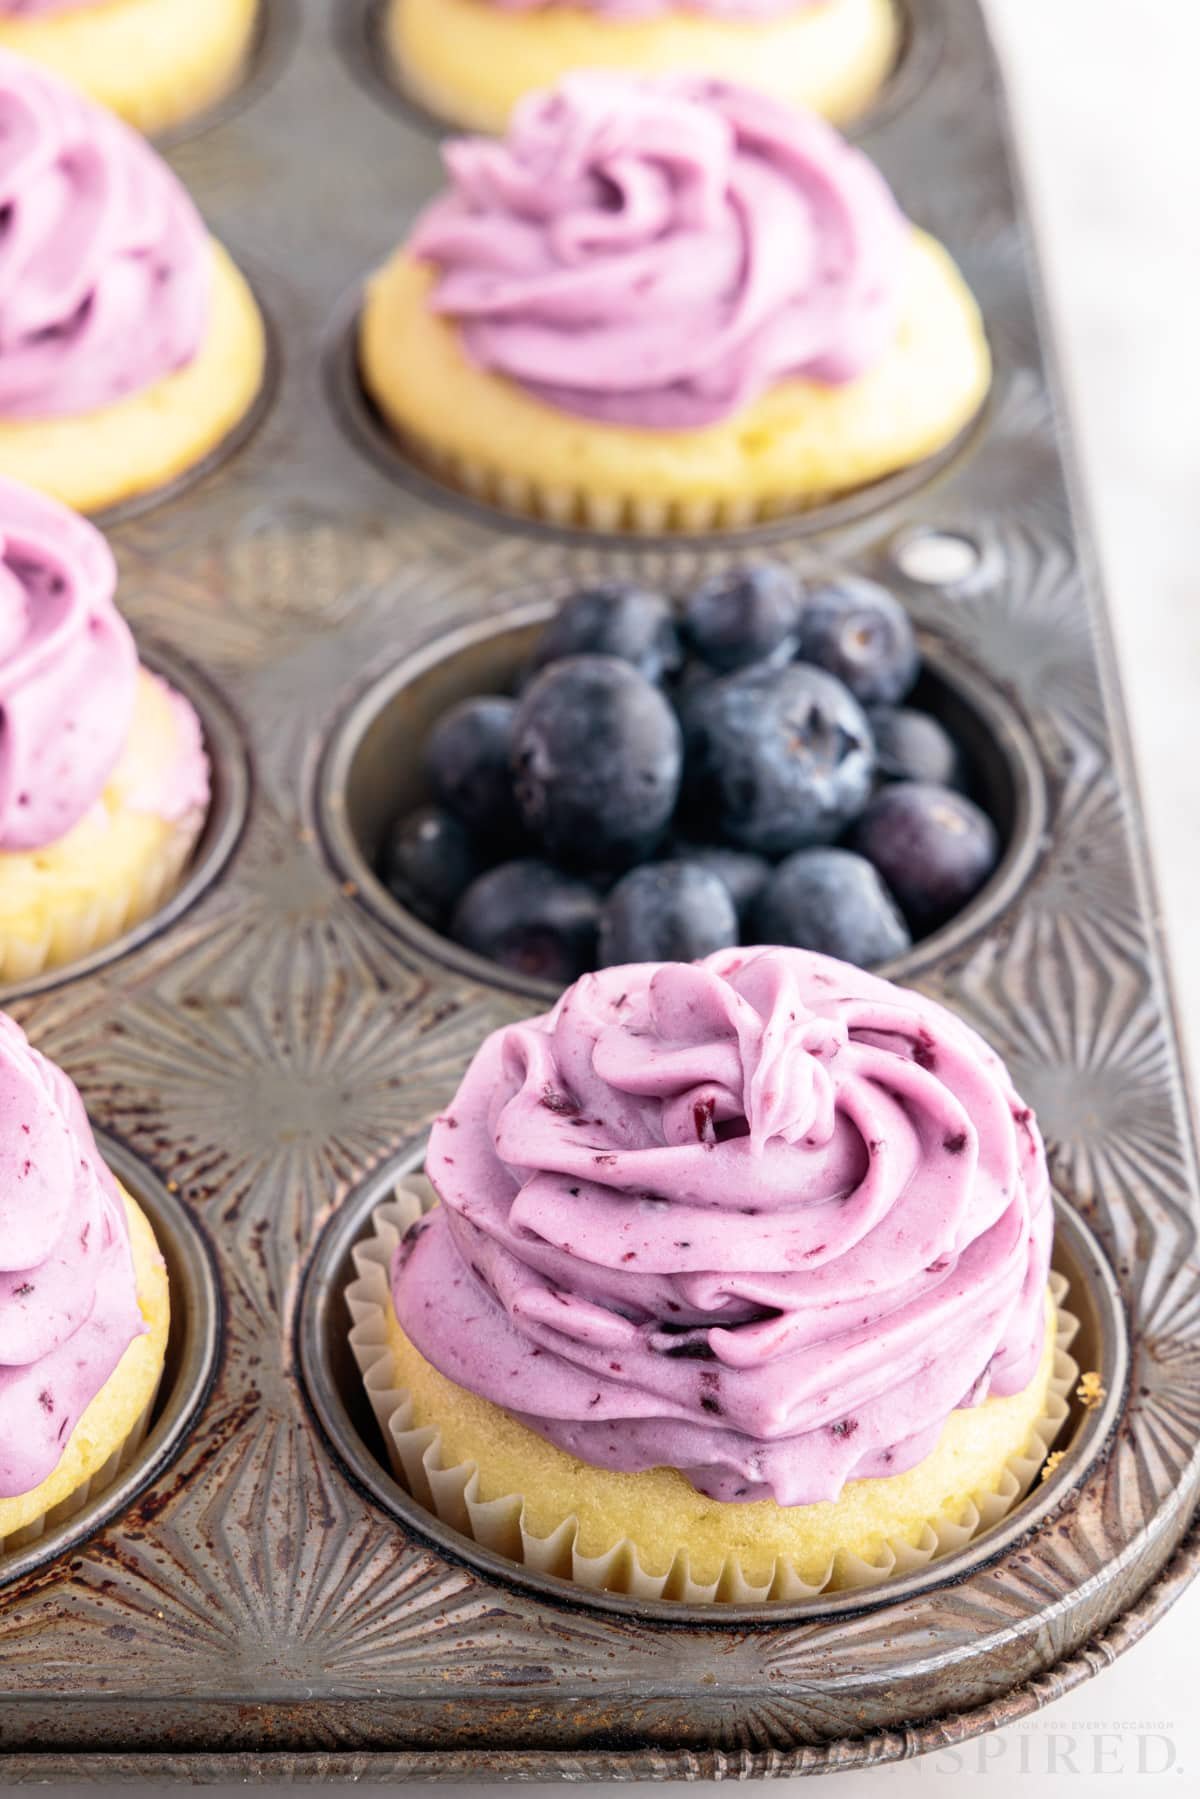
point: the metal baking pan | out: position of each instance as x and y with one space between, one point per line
267 1058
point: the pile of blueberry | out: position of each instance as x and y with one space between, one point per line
669 782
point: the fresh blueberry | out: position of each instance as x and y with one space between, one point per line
748 615
666 912
912 746
428 860
468 765
597 757
531 918
614 619
743 874
933 847
777 759
832 901
859 632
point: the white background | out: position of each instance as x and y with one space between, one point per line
1106 98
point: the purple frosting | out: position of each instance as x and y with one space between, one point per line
660 253
105 264
765 1219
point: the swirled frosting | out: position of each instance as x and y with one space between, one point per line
68 669
68 1293
660 253
105 266
765 1219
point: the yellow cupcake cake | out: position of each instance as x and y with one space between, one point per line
138 348
739 1286
471 61
104 782
156 63
86 1303
663 306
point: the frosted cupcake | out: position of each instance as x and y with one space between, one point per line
104 781
84 1305
738 1287
668 305
473 60
130 345
155 62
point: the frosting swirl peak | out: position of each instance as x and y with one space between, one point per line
659 253
105 265
766 1219
68 1293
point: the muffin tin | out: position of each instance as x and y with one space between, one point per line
266 1058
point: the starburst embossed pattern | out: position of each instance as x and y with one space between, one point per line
272 1053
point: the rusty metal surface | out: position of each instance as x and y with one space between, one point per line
281 1045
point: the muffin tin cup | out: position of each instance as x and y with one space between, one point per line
218 837
272 1602
161 1431
371 774
362 39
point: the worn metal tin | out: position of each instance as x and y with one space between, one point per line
274 1051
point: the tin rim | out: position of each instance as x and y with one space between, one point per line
335 1393
192 1352
229 762
991 717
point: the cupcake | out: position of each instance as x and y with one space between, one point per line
665 305
738 1286
84 1306
130 345
472 60
155 62
104 781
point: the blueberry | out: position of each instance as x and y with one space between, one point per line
859 632
933 847
912 746
614 619
467 761
597 755
777 759
746 616
834 902
428 860
666 912
743 874
531 918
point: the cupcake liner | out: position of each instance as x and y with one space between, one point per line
92 1488
452 1494
71 927
568 505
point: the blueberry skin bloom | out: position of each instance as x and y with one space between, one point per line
933 847
428 861
614 619
834 902
530 918
913 746
746 616
597 762
467 758
778 759
858 631
666 912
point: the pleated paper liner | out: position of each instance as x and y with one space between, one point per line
452 1494
61 928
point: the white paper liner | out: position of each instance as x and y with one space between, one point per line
71 932
92 1488
452 1494
568 505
